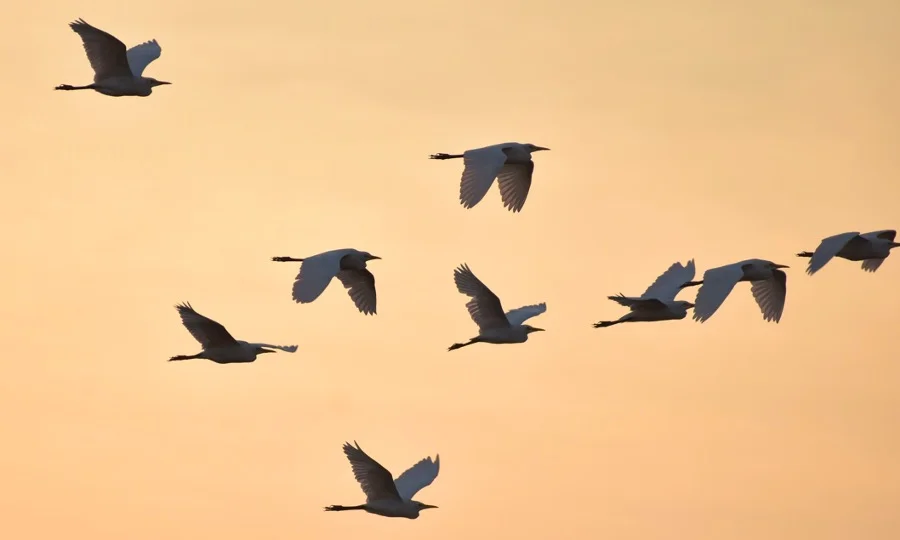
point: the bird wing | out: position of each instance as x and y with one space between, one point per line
870 265
104 51
515 181
316 273
519 315
375 480
770 295
360 284
205 330
481 167
669 283
484 307
141 55
828 248
417 477
717 285
285 348
887 234
637 303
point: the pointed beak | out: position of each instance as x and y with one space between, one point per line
895 244
373 257
781 266
689 304
263 350
427 506
538 330
538 148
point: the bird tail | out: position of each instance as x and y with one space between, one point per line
339 508
184 357
805 254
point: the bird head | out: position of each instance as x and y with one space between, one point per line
153 82
534 148
529 329
423 506
368 256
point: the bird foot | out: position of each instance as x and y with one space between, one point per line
439 156
64 87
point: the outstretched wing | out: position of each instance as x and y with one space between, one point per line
360 284
870 265
205 330
316 273
484 307
285 348
519 315
636 304
669 283
828 248
482 165
375 480
141 55
770 295
514 180
886 234
717 285
417 477
104 51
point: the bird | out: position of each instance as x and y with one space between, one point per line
871 248
658 301
384 495
494 326
349 265
217 343
510 163
768 286
117 72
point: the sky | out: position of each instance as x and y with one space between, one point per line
718 131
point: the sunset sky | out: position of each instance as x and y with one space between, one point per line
717 131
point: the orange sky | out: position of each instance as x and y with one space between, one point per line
695 129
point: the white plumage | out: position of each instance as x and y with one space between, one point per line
348 265
510 163
494 326
768 286
658 301
871 248
217 343
384 495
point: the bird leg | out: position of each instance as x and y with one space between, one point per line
692 284
805 254
445 156
185 357
604 324
461 345
70 87
286 259
339 508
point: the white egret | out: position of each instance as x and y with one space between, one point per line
217 343
117 72
658 301
349 265
510 163
768 286
384 495
494 326
870 248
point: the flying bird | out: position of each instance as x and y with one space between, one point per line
658 301
217 343
870 248
349 265
117 72
510 163
494 326
768 285
384 495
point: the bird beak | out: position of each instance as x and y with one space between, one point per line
373 257
164 82
781 266
895 244
538 148
537 329
690 305
263 350
427 506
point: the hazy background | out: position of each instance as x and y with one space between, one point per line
678 130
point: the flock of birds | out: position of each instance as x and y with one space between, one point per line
119 72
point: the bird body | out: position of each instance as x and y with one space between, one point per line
386 496
658 301
117 72
348 265
218 345
768 286
510 163
494 326
872 248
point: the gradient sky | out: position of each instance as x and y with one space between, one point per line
692 129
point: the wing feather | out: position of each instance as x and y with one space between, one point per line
140 56
514 180
520 315
481 167
770 295
205 330
315 274
417 477
104 51
669 283
717 285
870 265
484 307
828 248
360 285
375 481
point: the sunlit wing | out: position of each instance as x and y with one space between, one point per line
828 248
104 51
717 285
770 295
141 55
481 167
514 180
375 481
205 330
315 274
360 284
520 315
484 307
669 283
417 477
